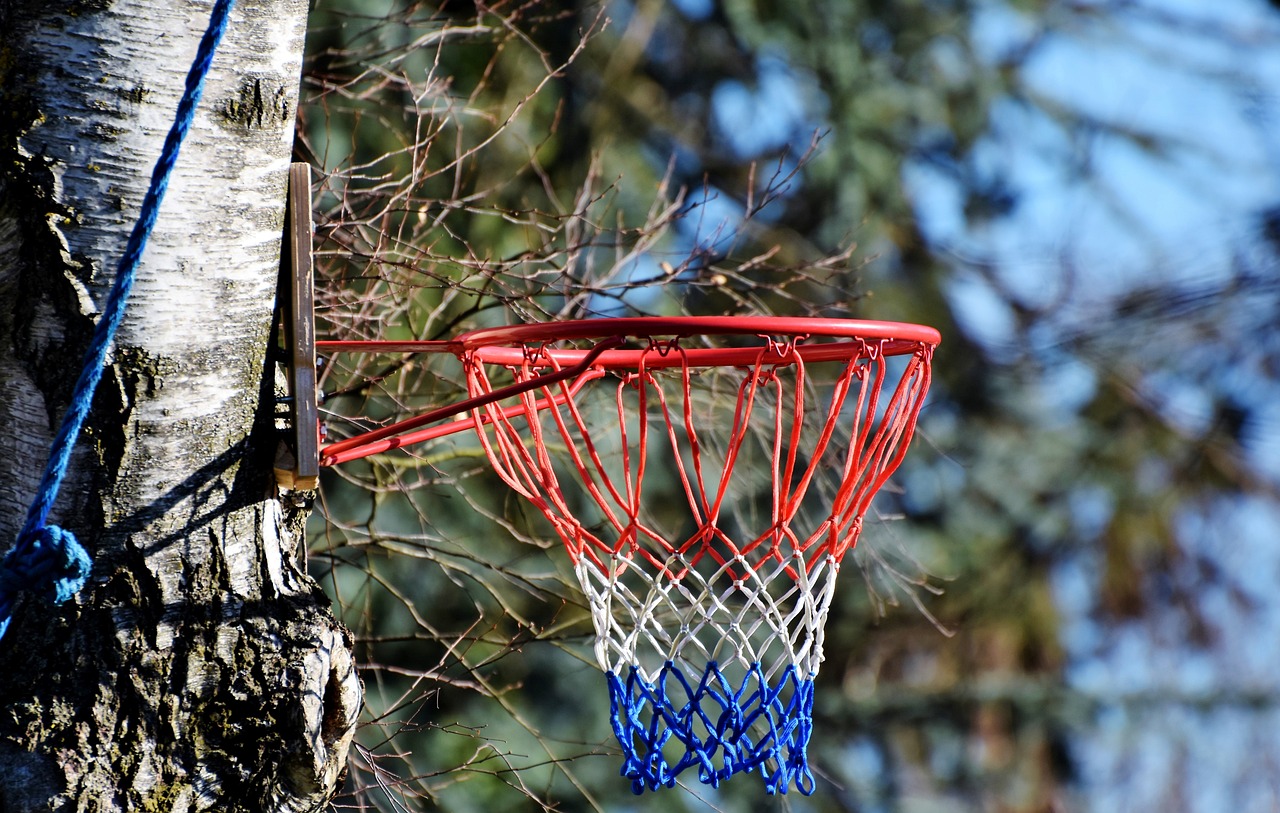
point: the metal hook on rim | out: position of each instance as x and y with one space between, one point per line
665 347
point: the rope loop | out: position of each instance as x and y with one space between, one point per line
48 560
50 557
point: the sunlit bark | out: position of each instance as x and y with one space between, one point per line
200 668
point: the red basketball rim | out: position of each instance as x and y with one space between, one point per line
854 337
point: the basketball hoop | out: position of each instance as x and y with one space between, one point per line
714 473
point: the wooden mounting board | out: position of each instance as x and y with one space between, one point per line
300 336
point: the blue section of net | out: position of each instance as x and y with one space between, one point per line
47 559
674 723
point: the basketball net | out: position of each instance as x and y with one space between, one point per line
707 542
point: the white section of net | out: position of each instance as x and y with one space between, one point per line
733 614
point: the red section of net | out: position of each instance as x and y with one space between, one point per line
852 437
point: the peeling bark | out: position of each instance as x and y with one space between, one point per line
199 669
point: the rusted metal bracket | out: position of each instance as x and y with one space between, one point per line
297 465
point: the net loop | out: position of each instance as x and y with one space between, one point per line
783 351
537 353
664 347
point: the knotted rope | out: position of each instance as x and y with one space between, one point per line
46 559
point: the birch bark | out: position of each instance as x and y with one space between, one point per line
200 668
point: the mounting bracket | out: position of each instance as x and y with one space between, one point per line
297 465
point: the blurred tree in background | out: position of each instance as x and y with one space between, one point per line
1081 195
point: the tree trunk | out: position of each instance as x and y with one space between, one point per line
200 668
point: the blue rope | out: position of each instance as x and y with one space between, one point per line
716 727
49 559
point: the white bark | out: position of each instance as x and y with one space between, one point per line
200 663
